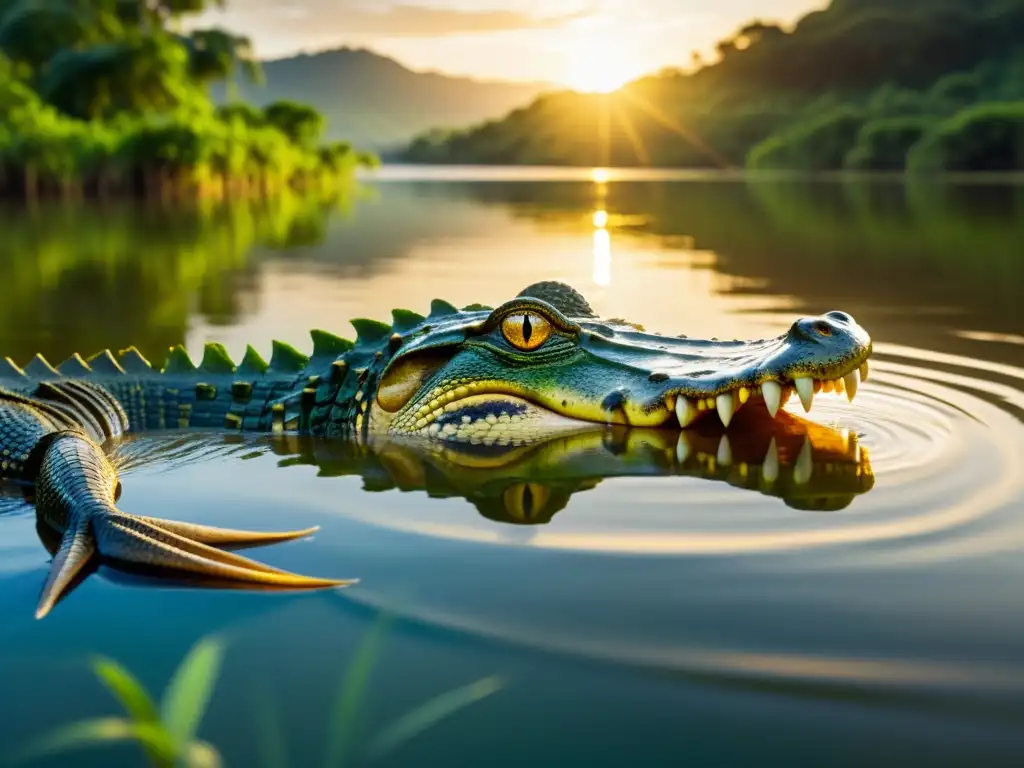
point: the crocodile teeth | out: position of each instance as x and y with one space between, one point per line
682 448
805 388
724 456
804 465
864 371
770 468
726 403
686 411
772 393
851 381
827 385
839 386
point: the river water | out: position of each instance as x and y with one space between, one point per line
841 588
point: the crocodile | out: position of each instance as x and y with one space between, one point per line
806 465
541 364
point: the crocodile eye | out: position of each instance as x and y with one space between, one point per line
525 502
823 329
525 330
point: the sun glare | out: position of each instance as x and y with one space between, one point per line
598 69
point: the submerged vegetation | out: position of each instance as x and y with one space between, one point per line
929 85
166 732
106 97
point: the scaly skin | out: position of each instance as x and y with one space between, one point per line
539 365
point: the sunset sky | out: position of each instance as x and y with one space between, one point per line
588 44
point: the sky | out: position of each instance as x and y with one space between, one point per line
586 44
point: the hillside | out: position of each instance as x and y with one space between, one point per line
375 102
862 84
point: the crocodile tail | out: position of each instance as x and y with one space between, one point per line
76 550
76 492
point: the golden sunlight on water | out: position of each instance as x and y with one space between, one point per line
864 559
492 256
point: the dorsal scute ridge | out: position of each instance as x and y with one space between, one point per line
39 368
285 358
178 361
326 344
370 331
10 369
74 366
104 364
442 308
403 320
132 361
252 363
216 359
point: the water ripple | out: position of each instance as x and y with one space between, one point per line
944 447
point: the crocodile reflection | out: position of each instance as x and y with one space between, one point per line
807 465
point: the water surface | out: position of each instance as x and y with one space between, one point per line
640 598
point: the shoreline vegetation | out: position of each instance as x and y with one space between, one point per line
107 98
919 86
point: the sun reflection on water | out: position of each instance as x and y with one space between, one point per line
602 275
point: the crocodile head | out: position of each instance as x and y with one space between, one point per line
544 362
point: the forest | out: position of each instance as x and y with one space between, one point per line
110 97
863 85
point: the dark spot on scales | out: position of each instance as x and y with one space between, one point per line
615 440
481 411
657 378
615 400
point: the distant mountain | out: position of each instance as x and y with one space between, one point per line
860 85
377 103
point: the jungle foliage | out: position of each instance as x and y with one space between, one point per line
107 96
860 85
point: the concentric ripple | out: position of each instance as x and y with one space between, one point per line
944 445
749 591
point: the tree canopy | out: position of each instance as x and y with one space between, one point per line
109 95
820 96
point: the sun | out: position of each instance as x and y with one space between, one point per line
595 68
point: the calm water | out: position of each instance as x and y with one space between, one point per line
637 600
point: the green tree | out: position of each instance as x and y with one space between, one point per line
300 123
987 137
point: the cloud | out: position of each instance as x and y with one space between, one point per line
400 20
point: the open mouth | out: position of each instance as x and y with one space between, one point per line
773 394
482 415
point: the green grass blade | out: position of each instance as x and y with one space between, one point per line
344 716
429 714
127 690
105 730
130 693
273 747
189 691
199 754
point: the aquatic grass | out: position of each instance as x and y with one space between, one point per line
348 711
430 713
166 733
